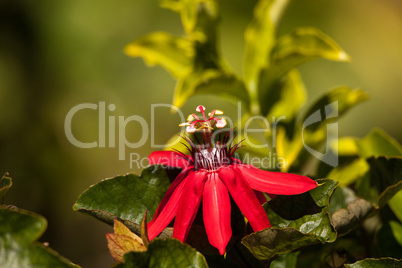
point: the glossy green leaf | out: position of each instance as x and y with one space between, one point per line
297 221
18 232
305 212
5 184
376 263
379 143
260 38
269 244
286 98
125 197
175 54
350 172
345 220
164 253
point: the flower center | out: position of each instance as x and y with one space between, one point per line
211 161
204 125
208 155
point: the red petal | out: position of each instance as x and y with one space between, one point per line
168 158
189 204
170 191
276 182
244 197
167 208
216 210
260 196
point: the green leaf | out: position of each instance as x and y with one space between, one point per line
386 177
306 212
125 197
206 26
345 220
341 197
302 45
379 143
386 241
376 263
285 100
291 50
346 146
270 243
5 184
329 108
396 228
255 152
297 221
174 5
350 172
185 87
175 54
260 38
286 148
196 15
288 260
226 85
395 203
187 10
18 232
176 142
211 81
164 253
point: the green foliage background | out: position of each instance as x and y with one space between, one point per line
57 54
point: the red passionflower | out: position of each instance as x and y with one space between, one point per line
210 174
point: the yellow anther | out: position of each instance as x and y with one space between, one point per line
190 118
184 124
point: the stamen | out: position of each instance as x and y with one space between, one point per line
190 117
200 108
221 123
205 125
191 129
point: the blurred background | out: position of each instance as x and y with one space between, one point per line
55 55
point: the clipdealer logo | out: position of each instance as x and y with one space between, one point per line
107 134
